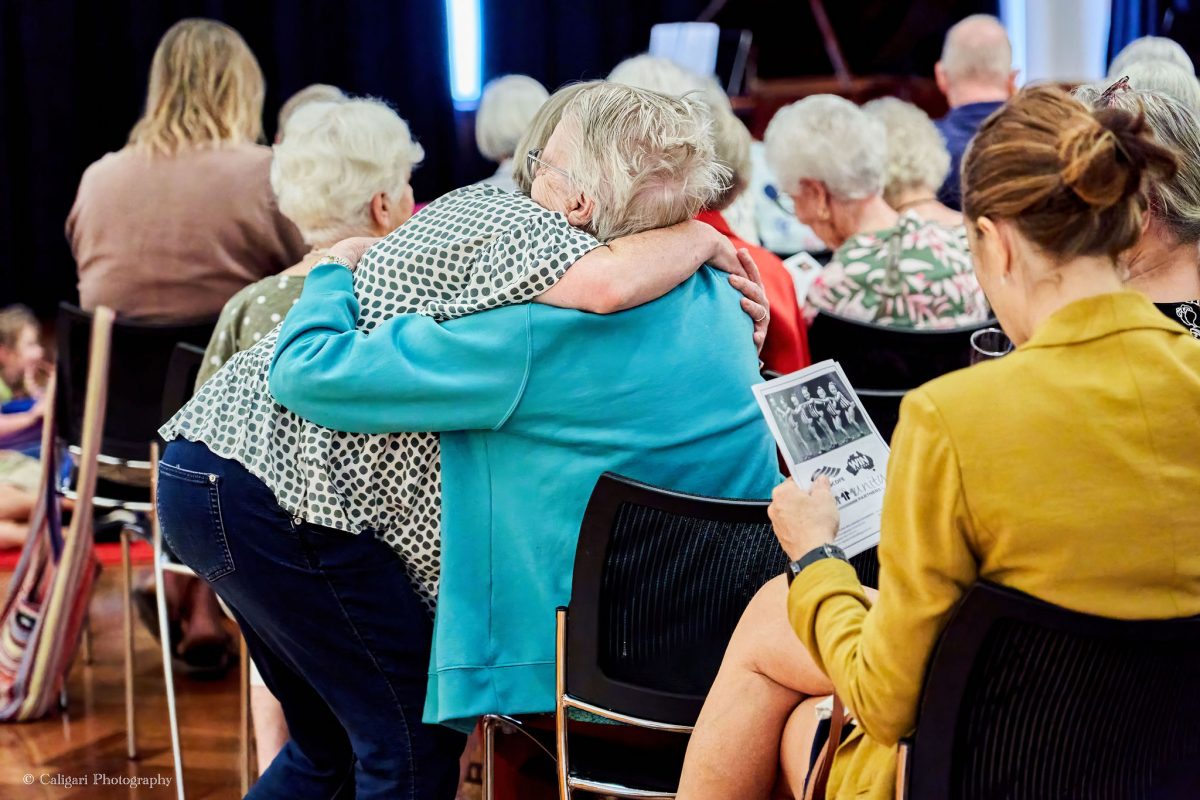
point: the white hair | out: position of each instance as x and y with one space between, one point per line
505 110
731 138
977 50
663 75
335 158
1165 78
313 93
646 159
1150 48
831 140
1174 201
917 157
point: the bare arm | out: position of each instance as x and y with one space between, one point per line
634 270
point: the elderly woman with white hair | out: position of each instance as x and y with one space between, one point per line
917 161
1164 264
344 171
1150 48
888 268
325 532
506 108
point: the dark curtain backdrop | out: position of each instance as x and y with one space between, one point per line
73 76
1177 19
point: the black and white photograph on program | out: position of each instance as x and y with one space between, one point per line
823 431
817 416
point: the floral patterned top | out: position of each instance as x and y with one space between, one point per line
1186 314
915 275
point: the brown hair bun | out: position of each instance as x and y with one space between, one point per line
1071 179
1104 158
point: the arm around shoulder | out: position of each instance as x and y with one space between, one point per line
409 374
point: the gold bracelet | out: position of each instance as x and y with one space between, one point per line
327 258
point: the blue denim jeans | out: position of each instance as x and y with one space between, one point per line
334 626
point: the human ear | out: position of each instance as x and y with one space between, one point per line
820 193
939 77
581 210
992 250
381 214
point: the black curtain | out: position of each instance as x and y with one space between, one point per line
1130 19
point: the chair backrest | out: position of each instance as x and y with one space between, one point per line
180 382
141 353
660 581
879 357
1024 699
882 362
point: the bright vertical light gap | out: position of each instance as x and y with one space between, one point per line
464 27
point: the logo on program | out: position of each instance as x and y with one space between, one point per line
859 461
828 472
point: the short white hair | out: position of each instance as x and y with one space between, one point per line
730 135
828 139
313 93
1150 48
505 110
646 159
917 157
1165 78
660 74
335 158
977 50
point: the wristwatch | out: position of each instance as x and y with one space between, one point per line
794 568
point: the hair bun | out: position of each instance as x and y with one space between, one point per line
1095 166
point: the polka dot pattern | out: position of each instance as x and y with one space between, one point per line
477 248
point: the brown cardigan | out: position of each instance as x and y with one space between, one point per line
173 237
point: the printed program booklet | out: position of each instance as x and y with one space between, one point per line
822 429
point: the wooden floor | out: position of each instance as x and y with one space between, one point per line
89 738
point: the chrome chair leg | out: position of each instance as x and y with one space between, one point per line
131 748
164 634
489 758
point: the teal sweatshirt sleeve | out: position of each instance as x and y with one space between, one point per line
408 374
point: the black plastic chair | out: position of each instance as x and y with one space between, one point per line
180 381
883 363
141 354
1024 700
660 581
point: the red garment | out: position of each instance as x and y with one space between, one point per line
786 348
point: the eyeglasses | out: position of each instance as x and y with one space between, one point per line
535 161
1109 95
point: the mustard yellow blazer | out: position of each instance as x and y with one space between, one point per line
1069 469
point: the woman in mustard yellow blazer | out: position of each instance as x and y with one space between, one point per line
1068 469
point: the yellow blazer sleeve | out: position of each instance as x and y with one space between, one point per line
876 655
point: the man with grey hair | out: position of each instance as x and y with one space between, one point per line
976 75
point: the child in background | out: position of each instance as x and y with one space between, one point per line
22 377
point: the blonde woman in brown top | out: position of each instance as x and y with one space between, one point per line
181 218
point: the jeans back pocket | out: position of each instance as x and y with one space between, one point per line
189 513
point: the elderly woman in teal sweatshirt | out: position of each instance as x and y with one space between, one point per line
534 403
